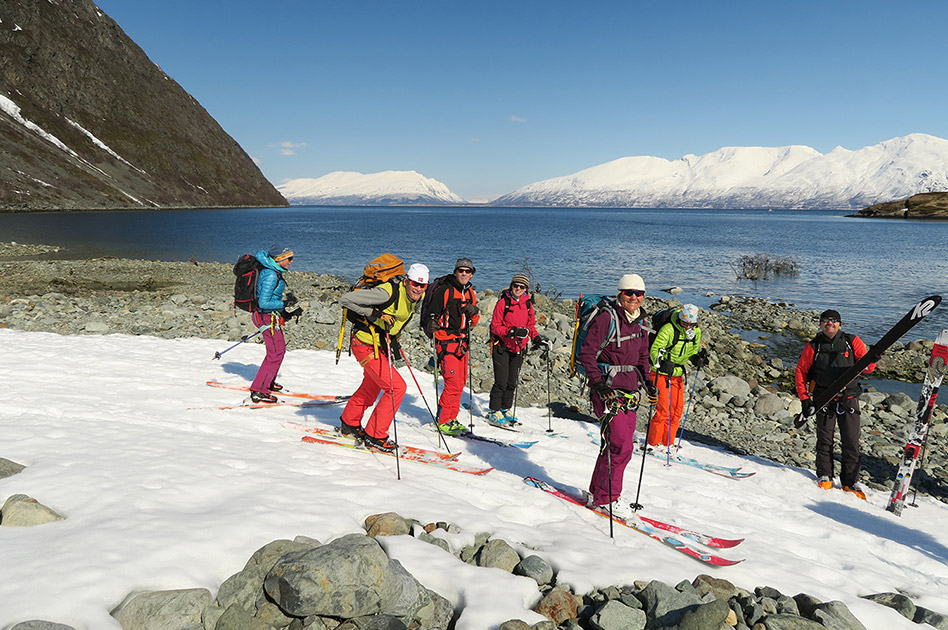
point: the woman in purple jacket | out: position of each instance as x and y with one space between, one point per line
622 366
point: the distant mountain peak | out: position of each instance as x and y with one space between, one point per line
387 188
793 176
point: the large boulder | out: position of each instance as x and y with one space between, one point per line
20 510
347 578
8 468
736 387
163 610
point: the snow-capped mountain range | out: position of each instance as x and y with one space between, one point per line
753 177
732 177
388 188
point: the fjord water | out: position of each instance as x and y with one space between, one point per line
871 270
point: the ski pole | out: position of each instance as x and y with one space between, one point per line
434 345
470 380
549 401
217 355
681 431
438 426
668 433
517 386
604 436
391 384
648 426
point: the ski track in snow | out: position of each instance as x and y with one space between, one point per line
158 496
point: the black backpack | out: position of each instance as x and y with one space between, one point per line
661 318
426 302
247 270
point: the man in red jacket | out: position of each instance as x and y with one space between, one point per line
453 314
822 361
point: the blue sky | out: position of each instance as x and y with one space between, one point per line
490 96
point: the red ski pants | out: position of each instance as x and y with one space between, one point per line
454 371
375 380
664 426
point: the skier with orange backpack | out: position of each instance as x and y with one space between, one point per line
380 313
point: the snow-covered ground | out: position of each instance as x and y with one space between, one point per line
161 490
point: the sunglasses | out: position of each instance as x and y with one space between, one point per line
464 270
419 285
517 285
632 292
829 320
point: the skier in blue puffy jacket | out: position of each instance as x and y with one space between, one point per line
270 317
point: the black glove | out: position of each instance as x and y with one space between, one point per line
700 359
396 348
666 366
518 333
289 300
380 319
470 310
294 314
808 409
651 392
431 326
601 388
540 342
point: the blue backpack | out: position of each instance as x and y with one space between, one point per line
587 307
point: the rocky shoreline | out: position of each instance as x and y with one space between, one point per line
743 400
742 403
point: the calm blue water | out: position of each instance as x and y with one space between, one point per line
869 270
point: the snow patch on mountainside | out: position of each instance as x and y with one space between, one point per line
753 177
388 188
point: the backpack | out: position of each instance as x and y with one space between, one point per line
247 269
385 268
426 303
659 319
380 269
587 307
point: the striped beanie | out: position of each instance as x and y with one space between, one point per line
278 253
522 279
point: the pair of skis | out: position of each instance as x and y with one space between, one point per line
923 416
321 435
678 538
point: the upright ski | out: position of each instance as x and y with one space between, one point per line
923 416
651 528
916 314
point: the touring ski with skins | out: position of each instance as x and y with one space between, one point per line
282 392
916 314
483 438
714 469
404 453
333 433
923 416
656 530
248 404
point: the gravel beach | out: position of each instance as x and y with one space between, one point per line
742 400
